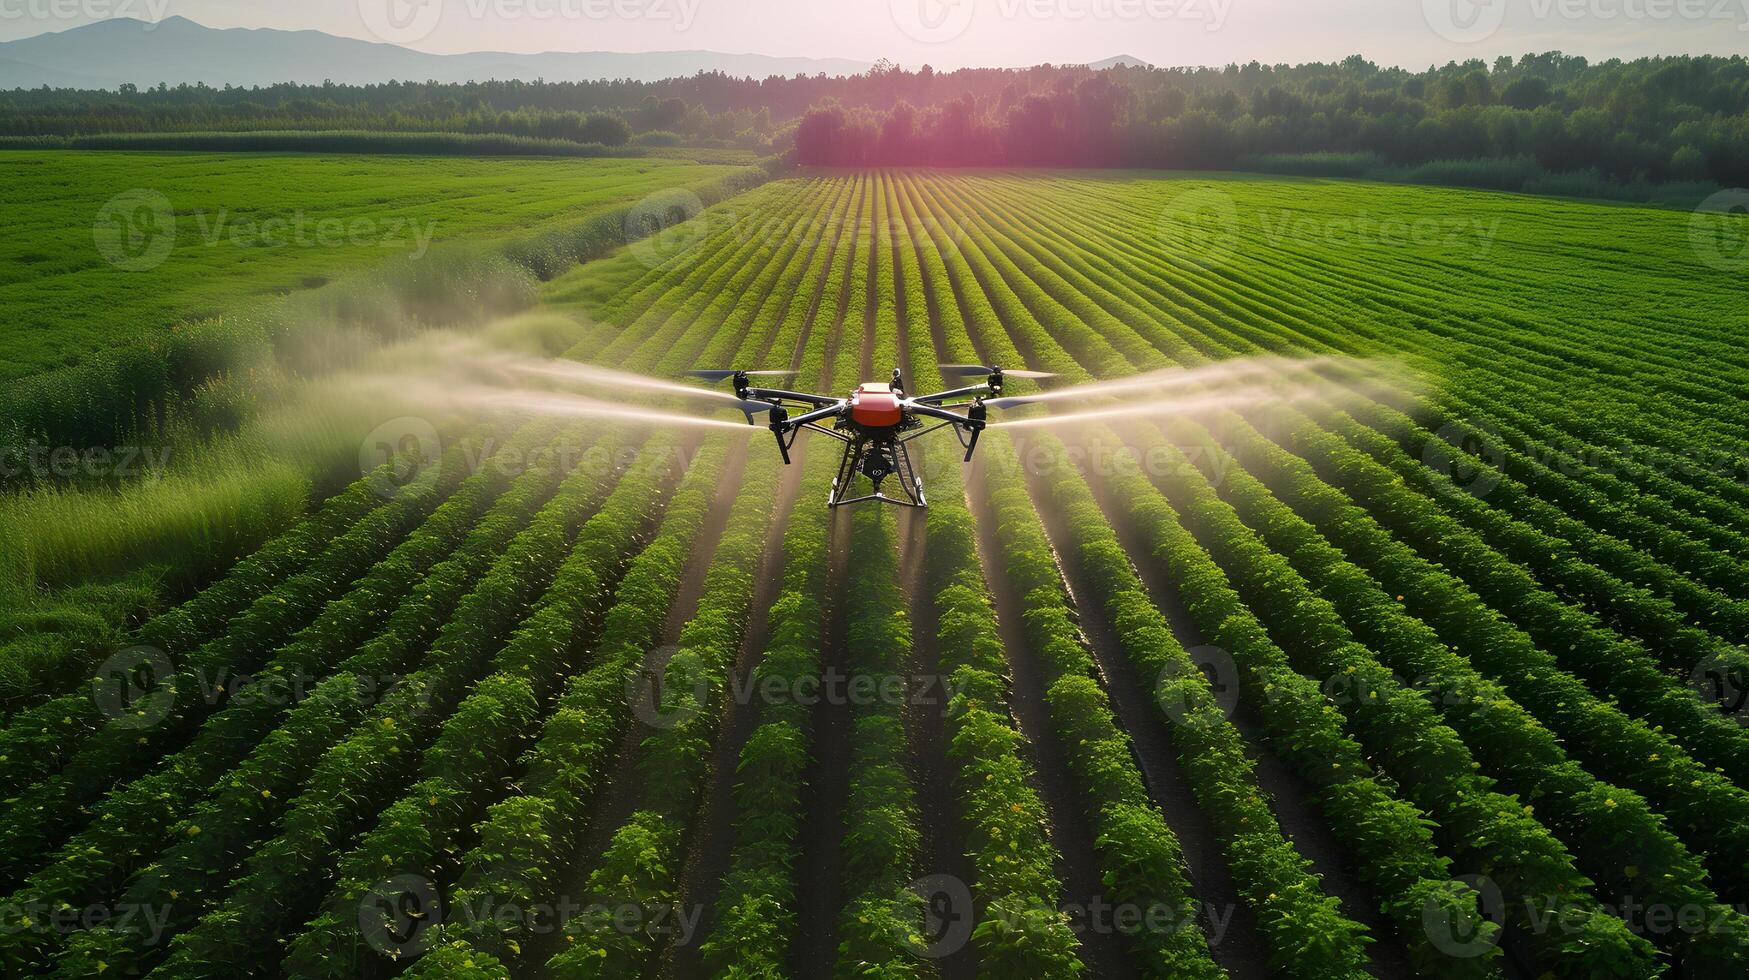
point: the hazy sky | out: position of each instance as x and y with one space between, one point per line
952 33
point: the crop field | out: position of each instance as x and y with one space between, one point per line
181 236
1432 669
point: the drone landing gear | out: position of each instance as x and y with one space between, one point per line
877 460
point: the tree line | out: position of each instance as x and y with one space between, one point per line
1665 119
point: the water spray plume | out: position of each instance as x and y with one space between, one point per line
1178 405
1169 379
1239 383
578 406
592 376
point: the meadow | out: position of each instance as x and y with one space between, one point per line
1442 677
186 236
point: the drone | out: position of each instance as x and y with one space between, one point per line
876 423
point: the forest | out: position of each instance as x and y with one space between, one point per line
1653 120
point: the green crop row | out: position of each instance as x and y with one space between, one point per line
1410 847
693 278
1400 730
753 335
1006 827
1615 836
640 865
730 313
1583 643
239 809
527 842
879 923
1274 877
1119 242
1307 932
1673 707
39 740
1046 254
1405 907
755 912
130 822
1716 610
1387 835
283 879
420 834
686 276
1701 804
169 708
754 915
1141 861
701 317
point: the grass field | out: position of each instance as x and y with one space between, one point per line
82 268
1440 678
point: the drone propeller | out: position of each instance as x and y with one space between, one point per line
979 370
1011 402
720 375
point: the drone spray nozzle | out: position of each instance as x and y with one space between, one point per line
977 417
780 416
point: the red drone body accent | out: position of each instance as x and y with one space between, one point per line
875 406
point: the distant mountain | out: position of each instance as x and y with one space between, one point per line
17 74
1121 61
177 50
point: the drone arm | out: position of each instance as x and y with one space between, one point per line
794 396
932 412
818 414
941 396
